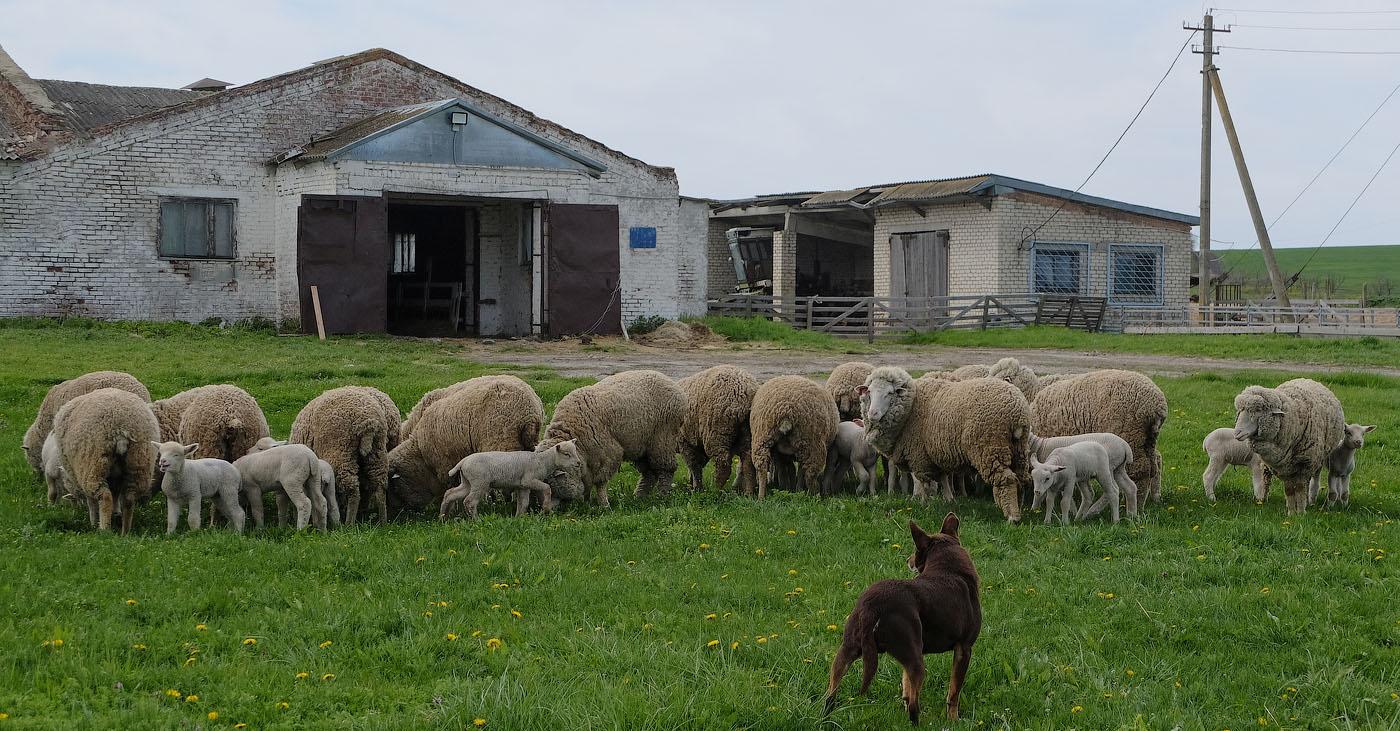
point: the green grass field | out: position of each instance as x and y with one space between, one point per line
689 612
1378 267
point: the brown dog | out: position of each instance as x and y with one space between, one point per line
936 611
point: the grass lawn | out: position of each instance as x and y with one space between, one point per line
1348 266
690 612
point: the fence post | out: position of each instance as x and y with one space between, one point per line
810 304
870 322
986 311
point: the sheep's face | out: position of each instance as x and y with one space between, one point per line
1355 435
879 397
173 454
568 459
1258 415
1045 478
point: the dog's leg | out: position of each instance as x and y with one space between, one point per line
845 655
913 683
962 655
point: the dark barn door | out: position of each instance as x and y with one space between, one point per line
343 249
584 270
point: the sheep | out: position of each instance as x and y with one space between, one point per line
223 419
717 403
842 385
525 472
1041 447
1293 428
484 414
348 427
1223 451
1070 467
327 486
295 472
1342 462
849 450
792 418
104 444
187 481
170 410
635 416
1020 376
971 370
61 394
428 399
1120 402
55 479
934 428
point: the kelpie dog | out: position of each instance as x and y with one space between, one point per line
936 611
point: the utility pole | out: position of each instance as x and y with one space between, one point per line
1206 284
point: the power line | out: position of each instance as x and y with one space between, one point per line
1309 12
1347 212
1310 27
1116 142
1312 50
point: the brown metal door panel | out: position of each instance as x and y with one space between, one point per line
343 249
583 269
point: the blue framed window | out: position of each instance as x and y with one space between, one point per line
1136 274
1059 268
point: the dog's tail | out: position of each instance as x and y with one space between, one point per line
860 632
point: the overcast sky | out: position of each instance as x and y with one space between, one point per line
756 97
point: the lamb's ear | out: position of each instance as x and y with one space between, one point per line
156 443
950 525
1053 467
190 449
921 538
862 389
1368 429
1277 412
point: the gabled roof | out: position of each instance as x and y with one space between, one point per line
89 106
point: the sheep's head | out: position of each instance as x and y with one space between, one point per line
173 455
1011 371
264 444
1354 437
412 482
1046 478
567 457
887 396
1259 414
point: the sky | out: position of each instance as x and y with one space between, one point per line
743 98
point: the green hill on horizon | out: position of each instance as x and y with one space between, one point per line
1336 272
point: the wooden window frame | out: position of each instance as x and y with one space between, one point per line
211 205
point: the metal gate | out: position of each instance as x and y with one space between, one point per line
584 271
343 249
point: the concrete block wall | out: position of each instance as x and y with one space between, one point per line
693 222
785 264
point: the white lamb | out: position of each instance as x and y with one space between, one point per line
187 482
1041 447
525 472
1342 462
327 486
1071 467
850 450
52 466
292 469
1226 451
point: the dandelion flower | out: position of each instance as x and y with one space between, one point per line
173 693
704 546
476 633
189 660
831 628
895 546
192 698
4 716
138 646
758 551
213 715
792 532
303 675
451 636
240 725
761 640
420 559
325 644
328 676
201 627
249 641
131 602
792 572
442 605
1263 721
428 613
1131 673
1077 709
283 705
478 722
1264 590
711 615
494 644
516 613
712 643
734 645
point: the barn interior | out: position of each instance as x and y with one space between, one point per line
833 247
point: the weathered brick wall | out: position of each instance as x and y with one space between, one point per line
974 257
693 219
721 278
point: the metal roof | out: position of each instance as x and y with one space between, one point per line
88 106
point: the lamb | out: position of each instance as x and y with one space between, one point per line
104 444
223 419
187 481
1020 376
1119 402
934 428
348 427
1223 451
842 385
327 486
55 479
1120 454
294 471
716 425
484 414
792 418
1072 466
1293 428
850 450
525 472
1342 462
635 416
61 394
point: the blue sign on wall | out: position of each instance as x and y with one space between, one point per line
642 237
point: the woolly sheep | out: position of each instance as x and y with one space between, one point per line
842 385
291 469
1293 428
1223 451
1119 402
170 410
634 416
104 443
792 418
1342 462
1020 376
187 482
410 422
525 472
972 370
484 414
850 450
1070 467
716 425
327 486
224 420
348 427
1117 447
61 394
933 428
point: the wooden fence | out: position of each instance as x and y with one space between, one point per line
1313 318
871 317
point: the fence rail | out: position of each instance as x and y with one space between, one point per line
1320 318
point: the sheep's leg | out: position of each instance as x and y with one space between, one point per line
303 506
1313 487
746 479
537 487
255 503
920 492
695 465
1128 488
862 478
1048 499
92 511
193 505
522 500
284 509
1296 492
128 506
1212 475
172 514
1260 478
1066 504
890 477
237 518
724 469
104 509
762 462
1346 489
1037 500
451 498
349 483
475 492
945 486
332 506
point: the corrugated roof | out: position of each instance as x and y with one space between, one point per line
88 106
931 190
367 127
835 197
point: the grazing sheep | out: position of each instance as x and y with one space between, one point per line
485 414
716 428
1072 466
524 472
850 450
1342 462
291 469
792 418
171 410
392 416
1020 376
61 394
224 420
55 479
634 416
187 481
1125 403
1224 451
1293 429
972 370
1053 378
1041 447
934 428
842 385
347 427
411 421
104 444
327 486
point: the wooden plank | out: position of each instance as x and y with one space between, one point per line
316 305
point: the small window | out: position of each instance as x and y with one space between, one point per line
1135 274
527 234
1059 268
405 254
197 228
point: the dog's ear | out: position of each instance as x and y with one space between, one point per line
950 524
921 539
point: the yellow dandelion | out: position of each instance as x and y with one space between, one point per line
476 633
213 715
758 551
478 722
711 615
303 675
1108 558
138 646
451 636
761 640
192 698
173 693
249 641
831 628
516 613
442 605
131 602
189 660
494 644
792 572
1263 721
792 532
201 627
328 676
734 645
712 643
1264 590
1077 709
283 705
1200 557
704 546
895 546
4 716
1131 673
452 552
240 725
495 606
722 577
58 642
420 559
325 644
428 613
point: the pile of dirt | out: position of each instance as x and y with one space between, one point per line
680 335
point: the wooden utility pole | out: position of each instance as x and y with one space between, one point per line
1260 228
1206 284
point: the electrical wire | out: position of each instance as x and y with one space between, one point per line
1308 12
1307 27
1329 51
1345 213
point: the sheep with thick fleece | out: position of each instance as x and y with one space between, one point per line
792 418
291 469
61 394
1119 402
1069 468
484 414
842 385
717 403
525 472
410 422
1293 428
327 486
105 449
1342 462
170 410
934 428
1118 448
224 420
187 482
636 416
347 427
972 370
1223 450
1018 375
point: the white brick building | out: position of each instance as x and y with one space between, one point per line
410 199
985 234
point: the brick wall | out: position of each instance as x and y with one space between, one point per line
693 220
721 278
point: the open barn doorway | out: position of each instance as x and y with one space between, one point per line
433 263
